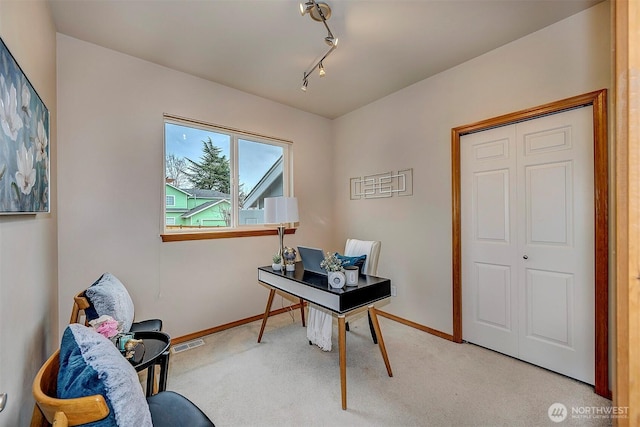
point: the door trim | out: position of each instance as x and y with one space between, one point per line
598 100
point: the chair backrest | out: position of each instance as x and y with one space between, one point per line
50 410
80 302
370 248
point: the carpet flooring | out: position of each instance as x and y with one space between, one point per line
284 381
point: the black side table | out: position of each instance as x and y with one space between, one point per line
155 352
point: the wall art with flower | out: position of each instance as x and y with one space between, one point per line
24 142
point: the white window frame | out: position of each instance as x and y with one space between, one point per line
235 230
172 198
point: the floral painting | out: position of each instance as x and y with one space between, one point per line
24 142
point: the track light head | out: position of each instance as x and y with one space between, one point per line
331 41
306 7
321 71
304 85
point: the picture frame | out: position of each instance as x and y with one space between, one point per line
24 142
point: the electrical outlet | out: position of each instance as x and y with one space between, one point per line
394 291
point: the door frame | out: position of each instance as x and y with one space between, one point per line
598 100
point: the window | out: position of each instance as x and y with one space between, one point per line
216 178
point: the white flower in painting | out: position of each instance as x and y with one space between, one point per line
26 175
9 119
41 142
26 99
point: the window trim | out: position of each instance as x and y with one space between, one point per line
237 230
207 235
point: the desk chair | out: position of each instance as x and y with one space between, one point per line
370 248
167 408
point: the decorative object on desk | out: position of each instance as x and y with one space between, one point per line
290 255
24 142
335 272
277 262
351 274
281 211
336 279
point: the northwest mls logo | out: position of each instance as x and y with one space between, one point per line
557 412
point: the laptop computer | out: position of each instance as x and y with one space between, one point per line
311 258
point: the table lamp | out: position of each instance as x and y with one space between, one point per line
280 210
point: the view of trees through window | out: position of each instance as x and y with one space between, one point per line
216 178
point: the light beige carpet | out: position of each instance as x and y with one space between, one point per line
284 381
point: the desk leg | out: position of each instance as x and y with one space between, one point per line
272 293
302 311
342 345
383 349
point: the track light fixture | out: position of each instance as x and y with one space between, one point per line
318 11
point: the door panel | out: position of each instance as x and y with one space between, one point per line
549 307
548 207
493 304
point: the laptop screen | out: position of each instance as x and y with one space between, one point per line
311 258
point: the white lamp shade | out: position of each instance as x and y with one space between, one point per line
278 210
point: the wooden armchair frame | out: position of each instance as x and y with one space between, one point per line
80 302
50 411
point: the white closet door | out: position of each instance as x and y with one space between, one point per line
556 235
528 241
489 244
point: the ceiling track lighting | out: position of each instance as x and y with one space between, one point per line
318 11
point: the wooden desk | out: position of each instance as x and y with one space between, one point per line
341 302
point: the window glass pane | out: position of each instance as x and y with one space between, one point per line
198 175
260 167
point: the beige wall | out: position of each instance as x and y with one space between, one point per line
111 188
28 243
412 129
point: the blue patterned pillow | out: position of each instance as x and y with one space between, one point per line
91 364
348 261
108 296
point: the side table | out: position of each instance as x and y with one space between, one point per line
156 353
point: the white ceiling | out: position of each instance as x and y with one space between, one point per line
264 46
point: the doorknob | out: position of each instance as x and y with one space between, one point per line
525 257
3 400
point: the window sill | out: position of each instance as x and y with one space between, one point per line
204 235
